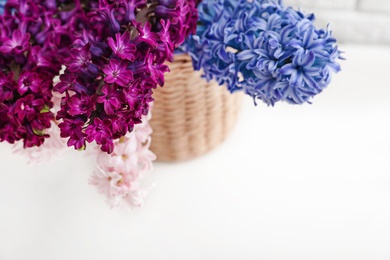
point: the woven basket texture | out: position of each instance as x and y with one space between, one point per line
190 116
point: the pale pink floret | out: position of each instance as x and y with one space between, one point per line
119 175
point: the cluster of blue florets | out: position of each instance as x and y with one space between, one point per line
271 52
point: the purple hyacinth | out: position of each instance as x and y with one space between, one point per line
82 105
116 72
16 44
114 53
122 47
35 38
111 99
116 61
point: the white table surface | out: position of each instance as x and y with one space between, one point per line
291 182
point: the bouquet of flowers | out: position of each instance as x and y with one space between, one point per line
75 72
109 56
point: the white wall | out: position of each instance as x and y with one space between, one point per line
352 21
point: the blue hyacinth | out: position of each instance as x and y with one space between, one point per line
2 4
271 52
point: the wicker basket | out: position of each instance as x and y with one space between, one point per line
190 116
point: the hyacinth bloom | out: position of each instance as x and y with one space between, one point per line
18 43
113 52
118 175
79 60
116 72
73 129
35 38
116 60
2 3
52 149
271 52
79 106
122 47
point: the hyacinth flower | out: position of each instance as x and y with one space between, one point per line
118 176
115 63
271 52
53 148
2 3
35 36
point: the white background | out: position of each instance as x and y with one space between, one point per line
291 182
358 21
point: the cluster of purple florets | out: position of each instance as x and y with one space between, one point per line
116 63
34 39
113 52
271 52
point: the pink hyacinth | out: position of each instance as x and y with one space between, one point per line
119 175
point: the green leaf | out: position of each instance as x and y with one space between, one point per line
39 132
82 148
45 109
